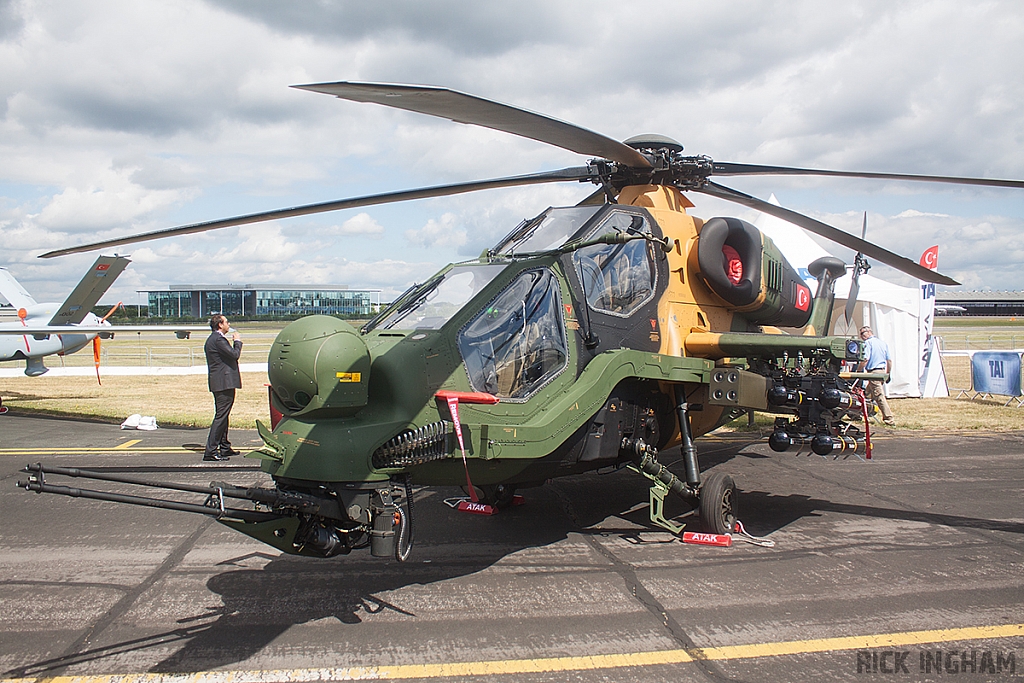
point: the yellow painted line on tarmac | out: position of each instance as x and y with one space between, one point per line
127 444
111 449
901 639
556 664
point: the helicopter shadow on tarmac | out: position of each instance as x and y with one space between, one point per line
259 604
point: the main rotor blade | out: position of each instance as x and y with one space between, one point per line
563 175
464 108
727 168
828 232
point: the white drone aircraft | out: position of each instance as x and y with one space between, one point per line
44 329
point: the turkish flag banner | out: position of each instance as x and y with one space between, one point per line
930 258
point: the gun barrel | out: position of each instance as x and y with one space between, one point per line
218 491
38 468
218 511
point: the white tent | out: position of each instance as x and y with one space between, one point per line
892 311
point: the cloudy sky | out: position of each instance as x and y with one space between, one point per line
122 116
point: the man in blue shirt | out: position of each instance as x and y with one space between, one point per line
878 360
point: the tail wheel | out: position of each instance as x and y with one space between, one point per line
718 504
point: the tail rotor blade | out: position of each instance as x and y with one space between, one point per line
851 299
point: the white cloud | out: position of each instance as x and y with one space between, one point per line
110 123
360 224
438 233
911 213
113 201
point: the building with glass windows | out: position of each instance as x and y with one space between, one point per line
202 301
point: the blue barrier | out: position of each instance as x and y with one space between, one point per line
996 372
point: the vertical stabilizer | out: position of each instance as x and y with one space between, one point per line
826 270
88 292
12 290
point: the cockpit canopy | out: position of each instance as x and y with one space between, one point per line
548 231
431 305
517 342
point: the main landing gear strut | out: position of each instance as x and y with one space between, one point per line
715 497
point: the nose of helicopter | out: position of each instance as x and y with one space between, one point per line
320 363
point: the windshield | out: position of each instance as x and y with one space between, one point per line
517 343
439 300
550 231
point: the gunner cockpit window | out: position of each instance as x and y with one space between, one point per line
517 343
618 278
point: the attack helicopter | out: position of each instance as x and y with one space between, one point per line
591 336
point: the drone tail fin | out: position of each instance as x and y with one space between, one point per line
12 290
93 285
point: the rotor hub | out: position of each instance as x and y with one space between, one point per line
654 142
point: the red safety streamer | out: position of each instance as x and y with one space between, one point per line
453 407
96 357
22 314
867 427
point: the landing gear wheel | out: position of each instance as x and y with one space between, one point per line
718 504
497 495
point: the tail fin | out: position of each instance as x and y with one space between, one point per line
12 290
88 292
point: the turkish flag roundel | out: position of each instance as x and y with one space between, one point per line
802 300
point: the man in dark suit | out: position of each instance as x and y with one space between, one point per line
222 365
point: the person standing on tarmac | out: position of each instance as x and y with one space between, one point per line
878 360
224 377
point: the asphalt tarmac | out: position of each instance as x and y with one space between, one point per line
912 561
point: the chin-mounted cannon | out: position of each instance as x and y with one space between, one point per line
312 522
